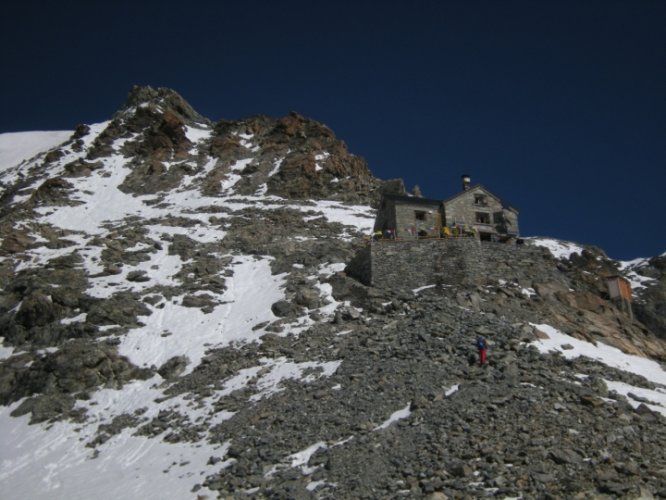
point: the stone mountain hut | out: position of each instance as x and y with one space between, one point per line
475 209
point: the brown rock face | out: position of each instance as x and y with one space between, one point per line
293 157
588 313
52 190
167 140
139 97
16 241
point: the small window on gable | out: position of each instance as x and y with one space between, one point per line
480 199
482 218
420 215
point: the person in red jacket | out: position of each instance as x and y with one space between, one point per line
483 348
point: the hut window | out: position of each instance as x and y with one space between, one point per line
482 217
480 199
420 215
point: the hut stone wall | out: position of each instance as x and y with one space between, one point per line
446 261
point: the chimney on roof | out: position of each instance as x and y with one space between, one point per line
465 182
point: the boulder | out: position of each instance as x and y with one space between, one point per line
307 297
173 367
284 308
36 310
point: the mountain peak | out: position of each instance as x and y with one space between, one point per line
165 98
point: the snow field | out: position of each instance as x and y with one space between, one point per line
17 147
245 303
40 462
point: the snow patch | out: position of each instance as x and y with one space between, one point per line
630 270
560 249
395 416
76 319
276 167
328 269
656 398
5 352
281 369
232 178
300 459
451 390
359 216
197 134
318 158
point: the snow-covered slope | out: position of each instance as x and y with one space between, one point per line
16 147
43 461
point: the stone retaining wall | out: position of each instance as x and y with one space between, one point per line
448 261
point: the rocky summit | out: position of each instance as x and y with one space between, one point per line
180 319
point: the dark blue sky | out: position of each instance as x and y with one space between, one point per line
559 107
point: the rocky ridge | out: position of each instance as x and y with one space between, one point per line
160 212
